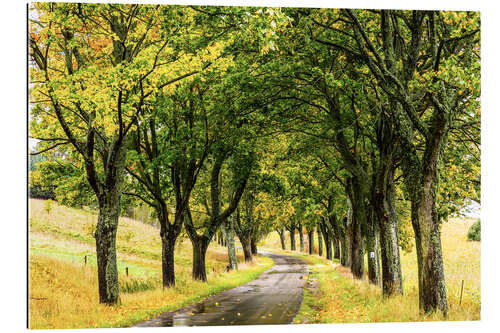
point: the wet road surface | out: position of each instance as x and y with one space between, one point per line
273 298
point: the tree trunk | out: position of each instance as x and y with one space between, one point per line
347 237
246 243
105 236
301 239
426 225
253 246
167 261
344 255
168 237
383 204
421 177
357 199
336 248
392 282
199 253
333 230
310 236
282 239
106 228
292 240
227 228
328 243
372 249
320 242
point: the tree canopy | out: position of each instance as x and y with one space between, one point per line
364 124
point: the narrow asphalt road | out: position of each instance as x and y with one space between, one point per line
273 298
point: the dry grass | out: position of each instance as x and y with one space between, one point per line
65 295
343 299
63 291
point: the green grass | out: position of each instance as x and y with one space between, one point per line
343 299
312 305
63 291
133 269
237 278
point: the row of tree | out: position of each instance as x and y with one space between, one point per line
244 120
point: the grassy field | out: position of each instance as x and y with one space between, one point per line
63 290
342 299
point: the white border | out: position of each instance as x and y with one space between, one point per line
13 164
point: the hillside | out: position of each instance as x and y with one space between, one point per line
63 289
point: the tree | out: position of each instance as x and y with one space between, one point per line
241 164
353 123
89 70
245 225
428 102
167 155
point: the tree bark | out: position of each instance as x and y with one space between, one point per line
310 237
392 282
282 238
357 198
432 287
320 241
292 240
333 230
326 237
227 228
199 254
253 246
167 261
301 238
421 179
383 204
347 237
246 230
246 243
107 225
372 249
105 236
344 255
168 236
336 248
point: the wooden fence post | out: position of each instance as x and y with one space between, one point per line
461 292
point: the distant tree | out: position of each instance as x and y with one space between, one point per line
47 206
474 233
